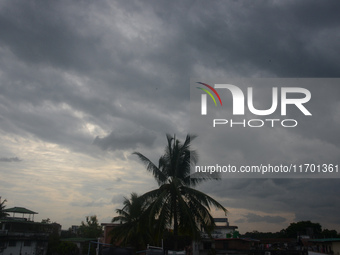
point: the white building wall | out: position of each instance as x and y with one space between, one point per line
19 248
336 248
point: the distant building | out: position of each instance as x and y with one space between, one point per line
75 229
21 235
324 246
223 238
107 239
222 229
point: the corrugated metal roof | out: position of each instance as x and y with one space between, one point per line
19 210
325 240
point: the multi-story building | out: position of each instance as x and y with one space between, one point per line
23 236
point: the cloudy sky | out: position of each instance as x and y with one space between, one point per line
83 84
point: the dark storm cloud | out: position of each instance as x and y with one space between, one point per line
122 141
42 32
14 159
281 39
215 35
309 199
50 37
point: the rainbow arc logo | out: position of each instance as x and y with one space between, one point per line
209 93
204 97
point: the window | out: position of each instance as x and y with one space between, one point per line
12 243
27 243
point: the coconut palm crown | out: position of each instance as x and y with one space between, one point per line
133 228
176 204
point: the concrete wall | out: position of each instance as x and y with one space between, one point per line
20 248
336 248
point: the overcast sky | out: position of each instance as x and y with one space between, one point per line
83 84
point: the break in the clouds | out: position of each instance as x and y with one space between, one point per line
82 84
252 217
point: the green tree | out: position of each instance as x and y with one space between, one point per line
133 229
304 228
176 203
67 248
326 233
2 207
68 234
53 242
90 229
46 221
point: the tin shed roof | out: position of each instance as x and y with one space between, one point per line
19 210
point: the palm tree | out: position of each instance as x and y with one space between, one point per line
133 229
176 203
2 207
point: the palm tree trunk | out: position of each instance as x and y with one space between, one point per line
175 225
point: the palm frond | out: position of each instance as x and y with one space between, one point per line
151 167
204 198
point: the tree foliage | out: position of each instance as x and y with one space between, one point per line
326 233
133 229
67 248
2 207
53 242
46 221
303 228
90 228
296 229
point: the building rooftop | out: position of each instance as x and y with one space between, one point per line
22 210
325 240
78 239
19 210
